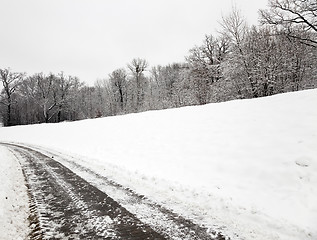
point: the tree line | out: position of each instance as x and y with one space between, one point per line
241 61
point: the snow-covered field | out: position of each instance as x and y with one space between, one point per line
248 167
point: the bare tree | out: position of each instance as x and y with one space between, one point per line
43 90
48 94
137 67
66 87
204 62
292 15
236 29
10 81
118 81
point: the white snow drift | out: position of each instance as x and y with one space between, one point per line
246 166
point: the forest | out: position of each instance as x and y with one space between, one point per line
240 61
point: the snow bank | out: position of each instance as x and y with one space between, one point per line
13 198
249 165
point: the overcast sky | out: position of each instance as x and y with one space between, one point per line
91 38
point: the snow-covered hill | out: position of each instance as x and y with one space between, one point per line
247 166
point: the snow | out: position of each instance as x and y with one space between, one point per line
248 167
13 198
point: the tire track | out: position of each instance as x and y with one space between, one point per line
65 206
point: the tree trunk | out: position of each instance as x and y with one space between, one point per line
59 114
9 115
121 98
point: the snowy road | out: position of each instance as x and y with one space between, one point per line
63 205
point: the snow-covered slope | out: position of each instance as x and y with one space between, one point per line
247 165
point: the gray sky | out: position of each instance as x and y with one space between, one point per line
91 38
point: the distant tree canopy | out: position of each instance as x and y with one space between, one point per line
240 62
